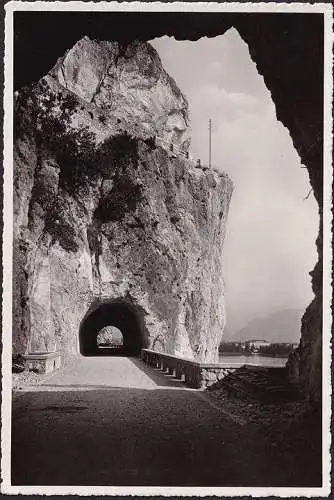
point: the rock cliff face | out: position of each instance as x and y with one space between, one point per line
105 213
285 55
127 84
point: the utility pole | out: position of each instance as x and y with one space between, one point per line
210 134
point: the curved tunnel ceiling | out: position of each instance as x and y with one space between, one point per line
287 49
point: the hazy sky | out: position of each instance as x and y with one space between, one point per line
270 241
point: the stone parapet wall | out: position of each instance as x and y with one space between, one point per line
212 375
195 374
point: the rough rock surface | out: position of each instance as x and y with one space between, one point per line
102 211
285 55
128 87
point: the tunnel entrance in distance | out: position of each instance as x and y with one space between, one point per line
112 328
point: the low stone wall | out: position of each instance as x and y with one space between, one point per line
195 374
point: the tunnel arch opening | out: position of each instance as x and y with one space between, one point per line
119 314
110 337
110 341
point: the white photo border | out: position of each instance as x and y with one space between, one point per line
81 6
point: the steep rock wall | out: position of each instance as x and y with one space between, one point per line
291 62
102 212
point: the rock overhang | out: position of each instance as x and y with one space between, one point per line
127 88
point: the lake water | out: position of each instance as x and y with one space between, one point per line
254 359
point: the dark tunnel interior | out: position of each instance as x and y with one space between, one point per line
123 316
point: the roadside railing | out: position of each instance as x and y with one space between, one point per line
195 374
110 346
175 150
172 148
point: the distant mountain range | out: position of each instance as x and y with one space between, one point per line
282 326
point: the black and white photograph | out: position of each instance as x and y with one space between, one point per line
167 249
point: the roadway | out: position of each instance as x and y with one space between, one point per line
116 421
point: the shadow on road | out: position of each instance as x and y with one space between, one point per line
108 373
159 377
138 437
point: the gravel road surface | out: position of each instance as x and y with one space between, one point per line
115 421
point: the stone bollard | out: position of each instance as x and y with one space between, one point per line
178 371
193 377
188 376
